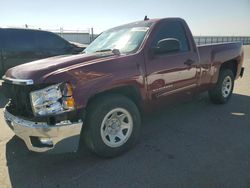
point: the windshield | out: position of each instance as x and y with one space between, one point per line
126 40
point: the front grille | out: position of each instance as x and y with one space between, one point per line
19 98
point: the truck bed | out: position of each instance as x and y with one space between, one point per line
220 52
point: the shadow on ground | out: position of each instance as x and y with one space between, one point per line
196 144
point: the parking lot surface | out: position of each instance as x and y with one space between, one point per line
195 144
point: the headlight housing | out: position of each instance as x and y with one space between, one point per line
54 99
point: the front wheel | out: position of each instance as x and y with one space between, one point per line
112 126
222 92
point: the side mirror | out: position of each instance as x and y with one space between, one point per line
167 45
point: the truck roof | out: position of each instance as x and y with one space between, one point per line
147 23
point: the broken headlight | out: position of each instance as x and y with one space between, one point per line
54 99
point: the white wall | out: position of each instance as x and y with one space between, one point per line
83 38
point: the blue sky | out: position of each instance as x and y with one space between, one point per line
211 17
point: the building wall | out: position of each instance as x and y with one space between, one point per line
83 38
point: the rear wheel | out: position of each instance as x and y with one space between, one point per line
112 126
222 92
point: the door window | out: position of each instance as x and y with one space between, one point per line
19 40
172 29
47 40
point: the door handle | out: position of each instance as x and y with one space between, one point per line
189 62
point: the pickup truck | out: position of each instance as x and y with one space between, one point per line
96 98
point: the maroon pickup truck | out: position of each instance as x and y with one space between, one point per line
99 95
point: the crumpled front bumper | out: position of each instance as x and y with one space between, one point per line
63 137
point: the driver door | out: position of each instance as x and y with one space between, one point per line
171 74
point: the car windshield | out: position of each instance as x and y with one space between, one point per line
126 40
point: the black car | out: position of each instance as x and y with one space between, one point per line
18 46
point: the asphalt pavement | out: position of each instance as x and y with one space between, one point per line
195 144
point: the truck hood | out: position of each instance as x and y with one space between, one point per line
36 70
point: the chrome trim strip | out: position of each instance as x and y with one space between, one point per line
163 88
177 90
18 81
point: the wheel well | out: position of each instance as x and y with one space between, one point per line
129 91
232 65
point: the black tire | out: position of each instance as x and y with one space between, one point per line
96 112
216 94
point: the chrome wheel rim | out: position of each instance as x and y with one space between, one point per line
116 127
226 86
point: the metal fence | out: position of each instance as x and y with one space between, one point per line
80 36
220 39
87 36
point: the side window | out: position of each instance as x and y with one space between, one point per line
46 40
172 29
19 40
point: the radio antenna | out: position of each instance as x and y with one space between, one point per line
146 18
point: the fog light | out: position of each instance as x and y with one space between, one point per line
46 141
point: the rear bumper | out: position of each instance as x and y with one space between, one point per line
41 137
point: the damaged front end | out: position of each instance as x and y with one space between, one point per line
43 115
